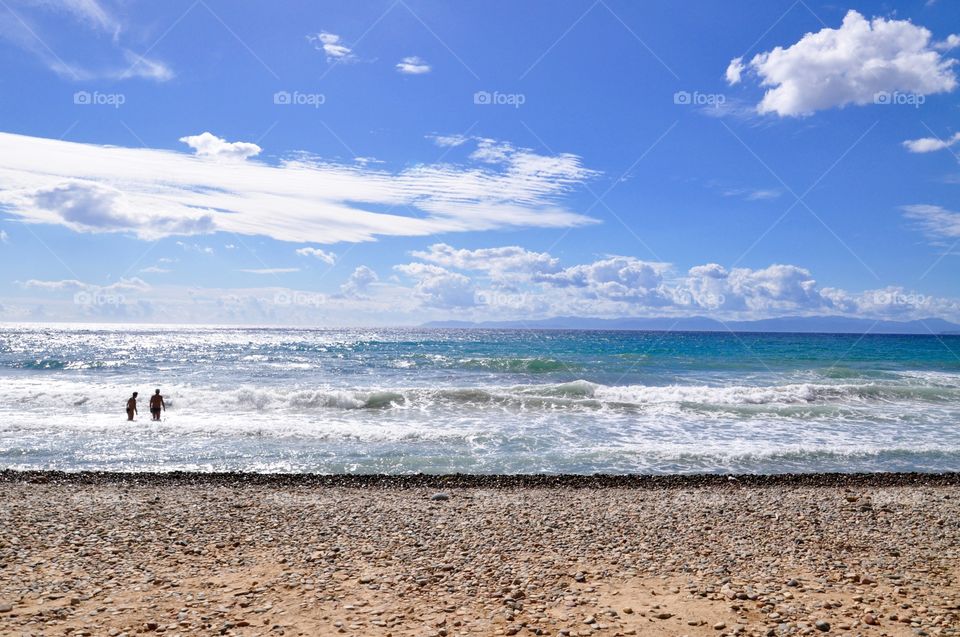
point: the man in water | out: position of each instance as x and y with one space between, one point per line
132 406
156 404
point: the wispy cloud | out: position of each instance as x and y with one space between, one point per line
413 65
269 270
23 24
937 222
158 193
332 45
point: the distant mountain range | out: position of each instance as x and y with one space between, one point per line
809 324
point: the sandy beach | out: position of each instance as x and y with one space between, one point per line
189 554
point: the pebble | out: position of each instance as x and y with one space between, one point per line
361 554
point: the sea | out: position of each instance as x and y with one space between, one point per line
402 401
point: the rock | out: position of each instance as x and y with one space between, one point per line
440 497
719 626
822 625
6 608
663 615
869 619
793 583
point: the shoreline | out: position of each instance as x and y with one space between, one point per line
485 481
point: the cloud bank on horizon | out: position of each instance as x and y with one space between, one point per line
508 282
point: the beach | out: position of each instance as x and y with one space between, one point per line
248 554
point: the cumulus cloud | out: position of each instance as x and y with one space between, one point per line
617 277
438 287
209 145
91 207
359 282
734 71
498 261
849 65
413 65
332 46
4 237
930 144
157 193
327 257
936 222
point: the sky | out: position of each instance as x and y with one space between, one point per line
400 161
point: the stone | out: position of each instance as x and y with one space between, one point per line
822 625
6 608
440 497
869 619
719 626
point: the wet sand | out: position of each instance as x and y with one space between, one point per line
241 554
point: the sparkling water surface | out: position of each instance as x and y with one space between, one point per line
477 401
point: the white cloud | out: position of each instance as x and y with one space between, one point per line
937 222
269 270
413 65
4 237
849 65
209 145
734 71
438 287
140 66
92 207
359 282
447 141
30 34
498 261
951 42
195 247
332 46
155 269
616 277
132 284
155 193
930 144
327 257
750 194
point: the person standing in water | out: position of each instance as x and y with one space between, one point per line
156 404
132 406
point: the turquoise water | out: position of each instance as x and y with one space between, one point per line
481 401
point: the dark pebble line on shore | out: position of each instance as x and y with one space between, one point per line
483 481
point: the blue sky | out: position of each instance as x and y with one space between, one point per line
395 162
